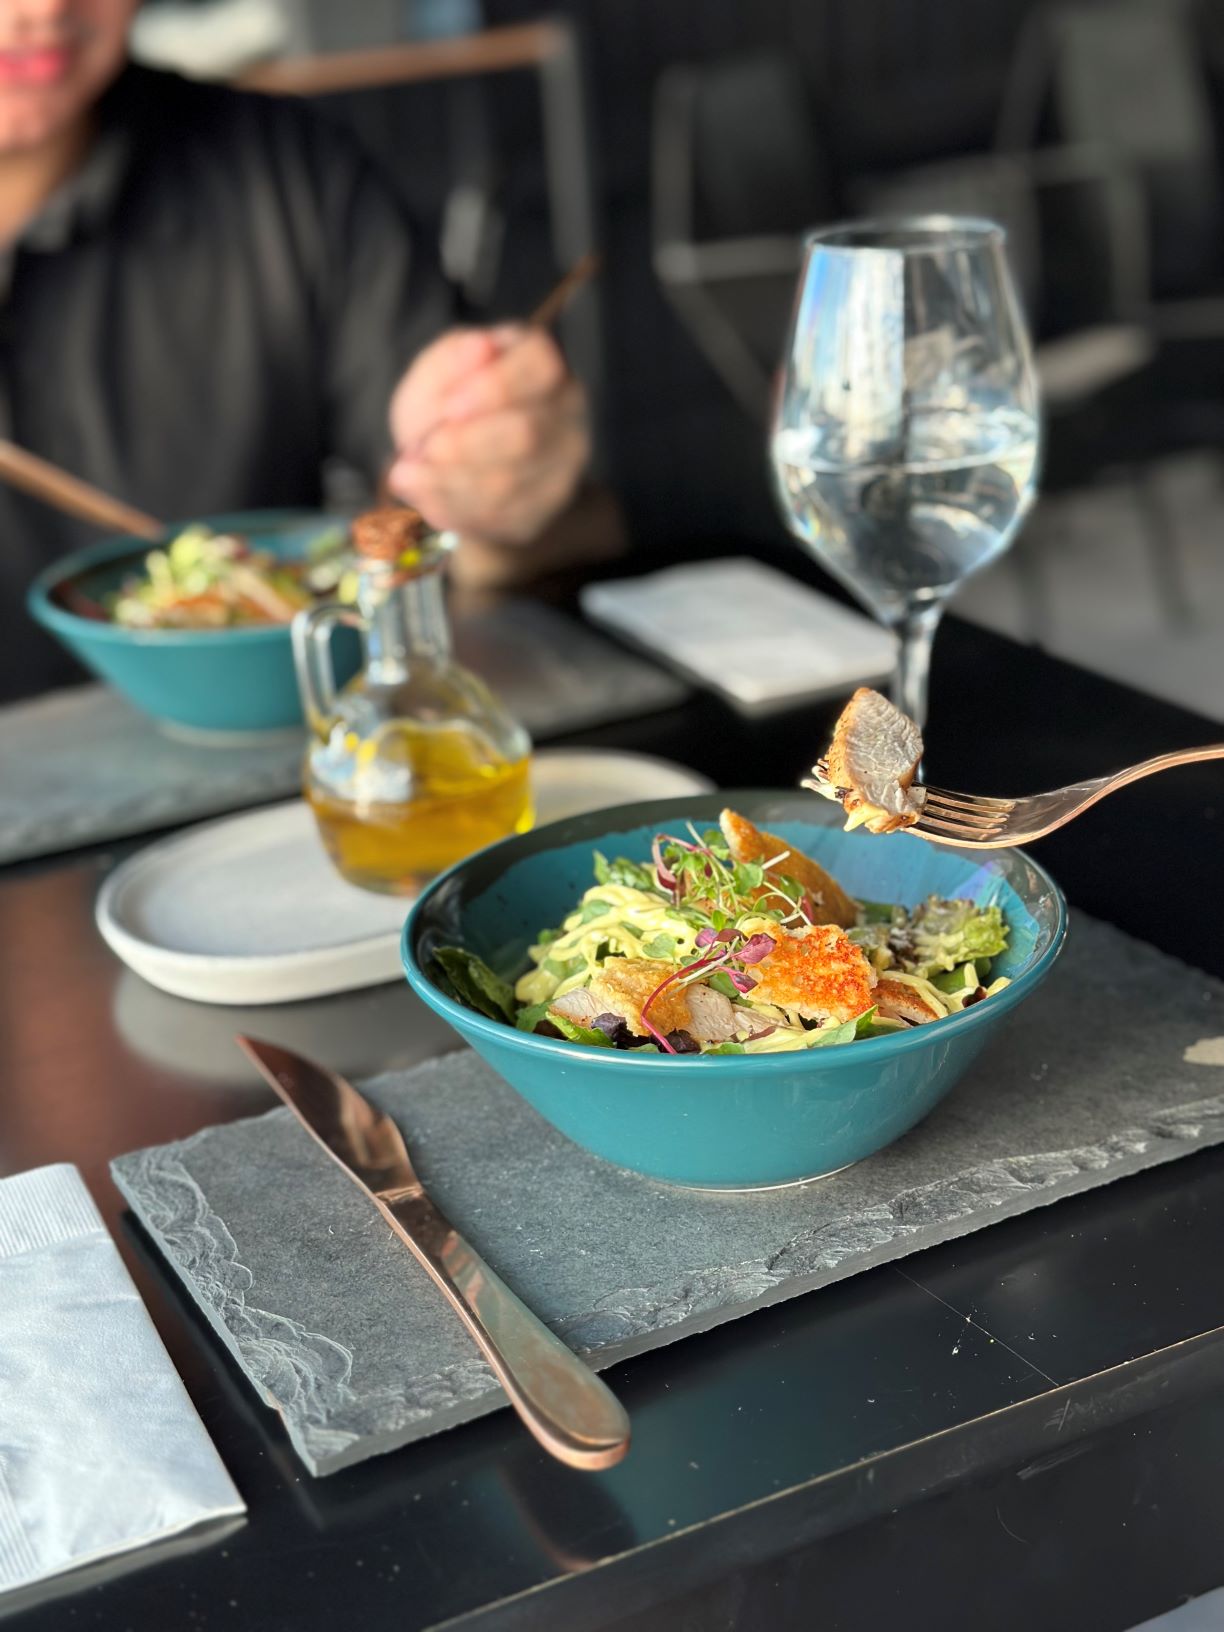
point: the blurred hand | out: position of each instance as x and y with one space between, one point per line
490 432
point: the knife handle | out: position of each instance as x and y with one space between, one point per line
574 1415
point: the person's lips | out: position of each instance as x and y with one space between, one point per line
34 65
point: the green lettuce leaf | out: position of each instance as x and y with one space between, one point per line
827 1036
966 977
873 940
528 1018
948 933
876 912
470 981
863 1025
881 1027
589 1035
786 1040
620 871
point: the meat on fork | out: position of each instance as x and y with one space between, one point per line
872 763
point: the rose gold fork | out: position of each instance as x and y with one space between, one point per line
975 823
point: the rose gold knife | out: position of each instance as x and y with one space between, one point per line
570 1411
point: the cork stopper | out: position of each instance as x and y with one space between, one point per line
385 534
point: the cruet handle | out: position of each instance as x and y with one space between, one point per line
316 677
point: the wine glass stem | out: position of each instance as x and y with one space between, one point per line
917 633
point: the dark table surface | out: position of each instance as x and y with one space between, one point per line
1022 1427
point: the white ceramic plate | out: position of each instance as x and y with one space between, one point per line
249 910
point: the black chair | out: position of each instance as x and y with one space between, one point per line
1076 227
737 175
1130 79
739 172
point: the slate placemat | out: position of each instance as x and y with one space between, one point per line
82 766
1115 1065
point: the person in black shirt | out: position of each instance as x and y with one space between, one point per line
207 295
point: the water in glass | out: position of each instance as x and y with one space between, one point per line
905 442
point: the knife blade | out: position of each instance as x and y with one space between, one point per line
573 1415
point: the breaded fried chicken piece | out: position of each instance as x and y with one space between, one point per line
749 843
898 1000
711 1017
622 985
817 972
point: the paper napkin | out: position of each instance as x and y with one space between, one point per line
101 1450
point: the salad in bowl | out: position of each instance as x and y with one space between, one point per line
766 1021
731 941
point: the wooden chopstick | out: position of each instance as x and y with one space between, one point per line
544 315
45 481
560 295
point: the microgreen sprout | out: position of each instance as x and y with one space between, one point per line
734 950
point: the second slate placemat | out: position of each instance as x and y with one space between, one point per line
82 766
1115 1065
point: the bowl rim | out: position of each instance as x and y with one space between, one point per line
868 1048
73 626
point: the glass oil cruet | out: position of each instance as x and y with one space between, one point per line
413 764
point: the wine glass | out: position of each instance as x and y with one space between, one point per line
905 433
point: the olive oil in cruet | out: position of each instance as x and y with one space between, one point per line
414 764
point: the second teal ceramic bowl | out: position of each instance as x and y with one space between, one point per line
217 682
737 1121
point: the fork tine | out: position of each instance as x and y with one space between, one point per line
956 829
962 813
967 822
968 801
967 807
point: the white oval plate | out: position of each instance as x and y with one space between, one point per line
249 910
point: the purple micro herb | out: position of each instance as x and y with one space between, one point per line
676 975
711 937
667 879
647 1022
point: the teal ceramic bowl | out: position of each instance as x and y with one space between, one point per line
735 1121
215 682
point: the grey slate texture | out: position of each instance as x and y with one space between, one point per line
341 1332
82 766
